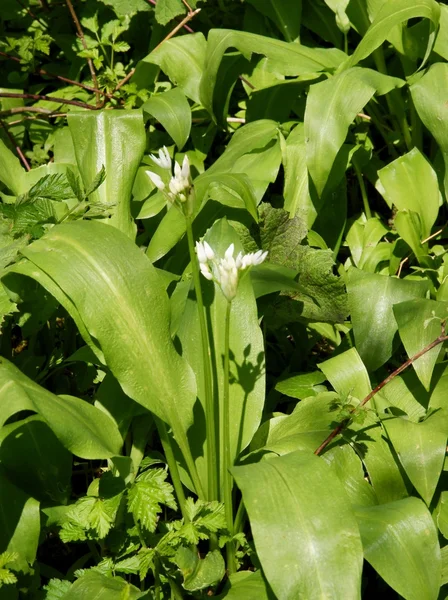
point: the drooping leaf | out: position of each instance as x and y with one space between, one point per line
371 298
94 584
172 110
301 554
302 386
408 540
331 107
199 573
81 428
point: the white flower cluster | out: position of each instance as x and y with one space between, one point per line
179 184
226 271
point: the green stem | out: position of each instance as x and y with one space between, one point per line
363 190
227 477
176 590
240 518
172 464
212 460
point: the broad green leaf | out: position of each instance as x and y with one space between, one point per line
284 13
347 374
234 189
371 298
182 59
127 8
393 13
302 386
302 555
398 539
441 514
331 107
11 172
247 383
289 59
172 110
345 462
103 138
406 393
268 278
35 460
428 95
79 426
362 237
421 448
94 584
122 302
409 182
419 324
444 577
247 585
199 573
410 228
297 198
319 19
19 523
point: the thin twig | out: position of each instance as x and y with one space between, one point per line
21 109
442 338
47 99
84 43
125 80
31 118
247 82
13 141
179 26
45 73
31 14
433 235
154 3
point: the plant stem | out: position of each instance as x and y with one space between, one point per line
212 461
442 338
18 149
227 463
362 187
240 518
172 464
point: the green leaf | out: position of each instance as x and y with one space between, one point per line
127 8
390 15
147 494
289 59
172 110
428 95
347 374
94 584
284 13
81 428
399 538
312 558
11 171
247 585
50 187
409 182
98 180
234 189
56 589
35 460
410 228
297 198
421 448
301 386
419 324
182 60
119 298
101 139
441 514
166 10
199 573
331 107
371 299
19 523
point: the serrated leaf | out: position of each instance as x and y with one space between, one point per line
76 185
166 10
54 187
56 589
147 494
199 573
97 181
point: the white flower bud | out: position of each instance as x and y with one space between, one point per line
164 160
208 251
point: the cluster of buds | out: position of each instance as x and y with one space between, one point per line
227 271
179 186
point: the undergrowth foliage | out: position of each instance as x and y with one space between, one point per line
223 299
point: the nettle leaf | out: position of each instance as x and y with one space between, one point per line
204 518
90 517
7 577
54 187
56 589
147 494
166 10
281 236
99 178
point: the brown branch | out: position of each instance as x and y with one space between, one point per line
47 99
442 338
31 14
21 109
125 80
179 26
84 43
13 141
34 118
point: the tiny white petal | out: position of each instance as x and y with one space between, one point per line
229 252
262 258
177 170
185 171
164 159
205 271
156 179
200 251
239 260
257 255
208 251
